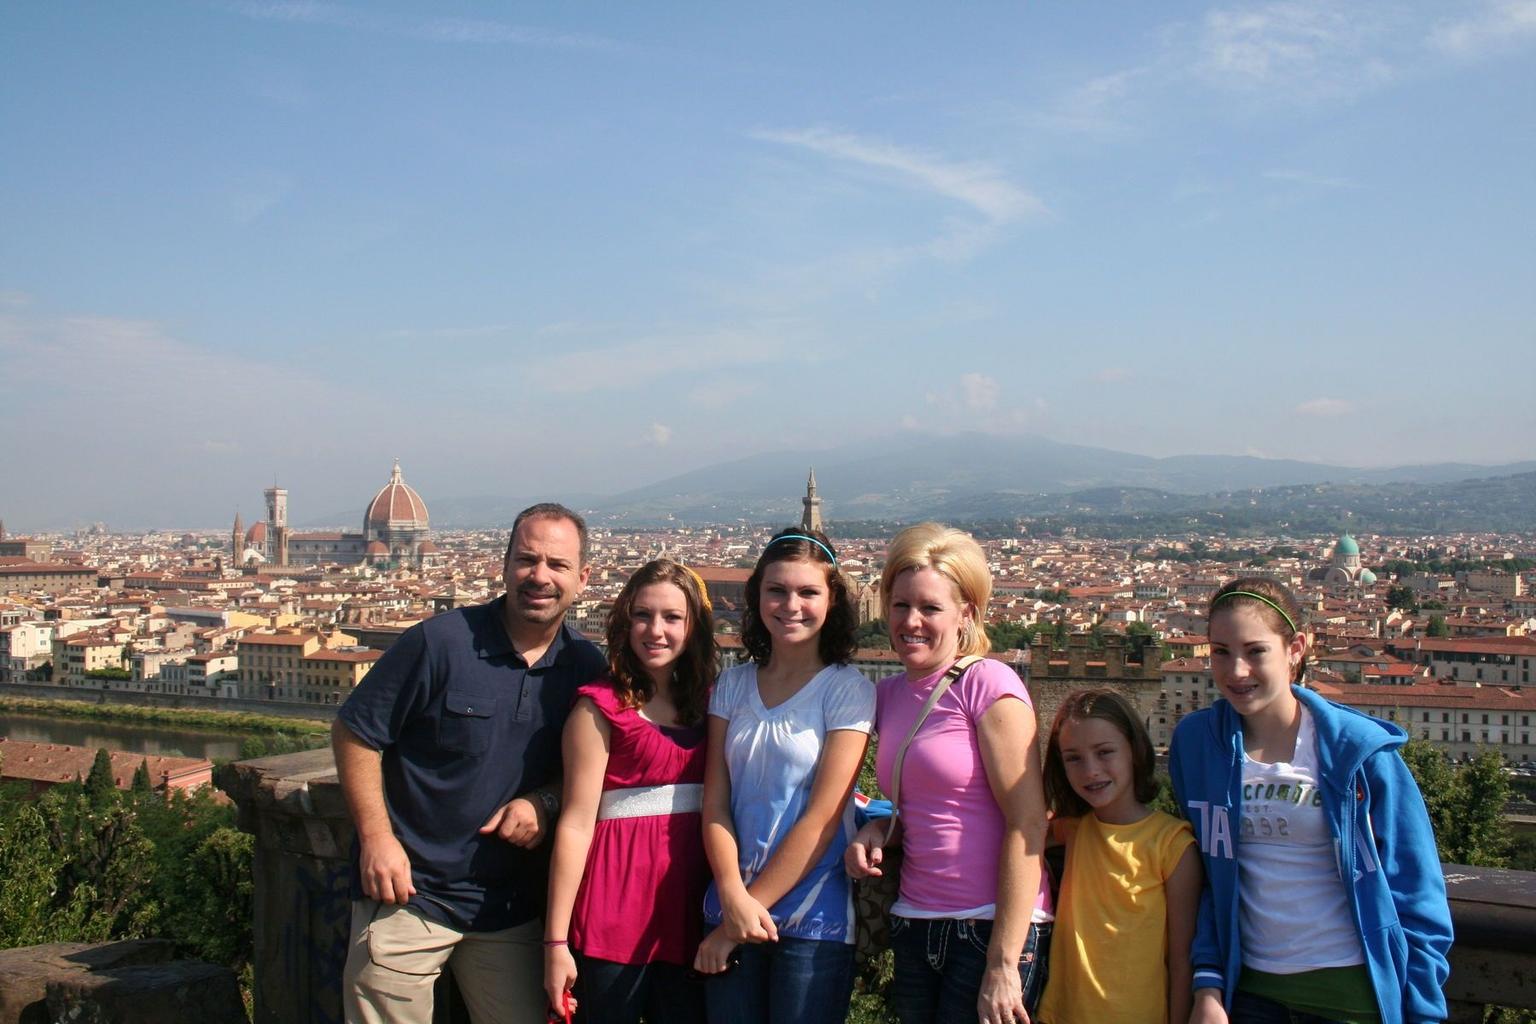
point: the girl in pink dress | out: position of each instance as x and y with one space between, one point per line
628 877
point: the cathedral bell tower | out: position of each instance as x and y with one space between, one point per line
810 519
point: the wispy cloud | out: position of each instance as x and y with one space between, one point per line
640 361
122 367
975 184
1097 107
659 434
468 331
256 195
1296 177
978 392
1307 48
1500 26
439 30
479 30
721 393
1325 408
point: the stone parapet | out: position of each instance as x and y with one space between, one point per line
302 868
292 804
132 982
1493 960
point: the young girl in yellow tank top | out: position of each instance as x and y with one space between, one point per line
1131 887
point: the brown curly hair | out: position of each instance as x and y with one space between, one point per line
694 671
837 641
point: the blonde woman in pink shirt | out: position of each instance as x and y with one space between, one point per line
971 927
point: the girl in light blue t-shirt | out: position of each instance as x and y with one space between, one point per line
787 732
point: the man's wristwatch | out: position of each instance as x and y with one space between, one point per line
550 803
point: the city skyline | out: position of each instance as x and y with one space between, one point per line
563 251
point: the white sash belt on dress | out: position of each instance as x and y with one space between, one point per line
647 801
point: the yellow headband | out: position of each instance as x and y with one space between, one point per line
698 581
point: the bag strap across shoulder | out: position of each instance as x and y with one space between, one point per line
939 689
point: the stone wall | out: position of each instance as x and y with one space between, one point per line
302 867
292 804
1054 674
135 982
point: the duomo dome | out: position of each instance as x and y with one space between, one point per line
396 507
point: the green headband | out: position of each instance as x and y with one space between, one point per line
1257 597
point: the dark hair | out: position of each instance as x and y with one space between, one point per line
1111 707
836 643
1234 594
695 668
550 510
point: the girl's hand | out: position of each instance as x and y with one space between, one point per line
866 852
1209 1008
714 952
746 920
559 974
1002 997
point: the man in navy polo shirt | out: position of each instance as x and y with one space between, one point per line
449 756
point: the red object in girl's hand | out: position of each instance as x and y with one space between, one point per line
564 1013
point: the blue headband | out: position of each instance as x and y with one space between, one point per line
801 536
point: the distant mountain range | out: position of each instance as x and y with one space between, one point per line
975 476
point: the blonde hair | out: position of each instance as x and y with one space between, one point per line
953 554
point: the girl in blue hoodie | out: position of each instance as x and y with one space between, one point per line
1324 899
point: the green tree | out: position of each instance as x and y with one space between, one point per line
212 913
874 634
1437 783
1010 636
1483 833
100 785
102 888
1401 597
1437 626
142 783
1465 803
29 864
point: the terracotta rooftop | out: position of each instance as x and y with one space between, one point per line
58 762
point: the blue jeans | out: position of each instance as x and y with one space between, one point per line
940 964
804 981
1248 1008
613 993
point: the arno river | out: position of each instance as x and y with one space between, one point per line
139 739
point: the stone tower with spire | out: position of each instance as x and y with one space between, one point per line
810 519
237 543
277 524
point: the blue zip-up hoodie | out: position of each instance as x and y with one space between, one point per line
1383 846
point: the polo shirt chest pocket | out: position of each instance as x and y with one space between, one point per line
467 721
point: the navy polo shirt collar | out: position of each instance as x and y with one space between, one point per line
496 642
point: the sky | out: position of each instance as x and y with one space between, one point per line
536 249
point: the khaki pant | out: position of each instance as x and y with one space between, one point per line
396 955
